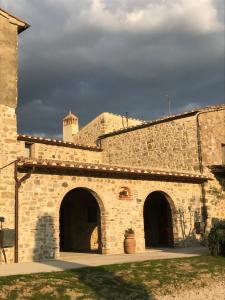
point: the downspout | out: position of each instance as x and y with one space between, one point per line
200 161
18 183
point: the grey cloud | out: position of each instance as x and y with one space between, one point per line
69 63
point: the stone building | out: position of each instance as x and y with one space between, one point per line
165 179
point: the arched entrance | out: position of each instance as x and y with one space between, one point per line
158 223
80 222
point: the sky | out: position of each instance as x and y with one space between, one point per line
93 56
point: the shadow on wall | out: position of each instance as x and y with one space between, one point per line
45 241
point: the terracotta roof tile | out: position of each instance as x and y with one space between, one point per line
161 120
54 142
53 164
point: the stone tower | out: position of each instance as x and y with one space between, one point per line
70 127
10 27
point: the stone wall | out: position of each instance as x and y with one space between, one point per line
41 196
8 99
105 122
8 154
215 199
170 145
8 62
45 151
212 135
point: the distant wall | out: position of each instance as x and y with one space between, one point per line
212 134
43 151
167 145
105 122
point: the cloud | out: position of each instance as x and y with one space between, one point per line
116 55
152 15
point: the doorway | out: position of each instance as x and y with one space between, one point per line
158 221
80 222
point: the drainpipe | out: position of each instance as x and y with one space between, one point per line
200 161
18 183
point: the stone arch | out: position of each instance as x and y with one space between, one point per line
97 194
100 203
165 209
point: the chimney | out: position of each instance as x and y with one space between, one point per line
70 127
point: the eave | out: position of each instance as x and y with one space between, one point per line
54 142
107 171
22 25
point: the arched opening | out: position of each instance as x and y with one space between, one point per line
158 223
80 222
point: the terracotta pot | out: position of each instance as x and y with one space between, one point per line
129 244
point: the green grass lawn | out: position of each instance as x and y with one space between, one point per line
140 280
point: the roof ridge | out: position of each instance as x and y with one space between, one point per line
166 118
57 142
120 115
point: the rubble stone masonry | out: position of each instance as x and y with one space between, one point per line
105 122
212 136
8 63
168 145
43 151
41 196
8 130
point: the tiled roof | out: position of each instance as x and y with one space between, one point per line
21 24
44 164
55 142
161 120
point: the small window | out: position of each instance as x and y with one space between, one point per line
92 214
27 150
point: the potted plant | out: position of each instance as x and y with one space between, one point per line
129 241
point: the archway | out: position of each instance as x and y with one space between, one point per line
158 223
80 222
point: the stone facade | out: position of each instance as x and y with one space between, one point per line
105 122
8 67
41 197
8 154
56 152
117 161
9 28
167 145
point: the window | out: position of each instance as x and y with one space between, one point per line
27 152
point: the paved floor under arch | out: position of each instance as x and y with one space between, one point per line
74 260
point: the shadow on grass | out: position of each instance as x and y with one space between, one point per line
104 284
89 283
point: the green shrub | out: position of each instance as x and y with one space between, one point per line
216 239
